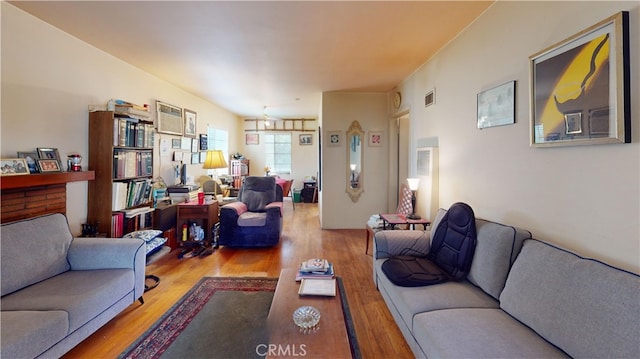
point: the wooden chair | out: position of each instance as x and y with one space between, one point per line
287 191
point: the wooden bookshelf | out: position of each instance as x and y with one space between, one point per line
104 143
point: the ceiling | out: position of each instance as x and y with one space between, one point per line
245 55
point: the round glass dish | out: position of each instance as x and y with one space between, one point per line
306 317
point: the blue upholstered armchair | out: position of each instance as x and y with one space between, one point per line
255 220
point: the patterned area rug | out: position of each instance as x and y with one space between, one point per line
218 318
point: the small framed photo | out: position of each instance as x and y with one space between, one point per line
48 153
306 139
49 165
190 123
14 166
194 144
176 143
334 138
31 158
252 139
375 138
195 157
185 144
203 156
204 142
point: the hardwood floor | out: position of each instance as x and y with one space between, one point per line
378 335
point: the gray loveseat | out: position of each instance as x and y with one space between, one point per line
57 290
523 298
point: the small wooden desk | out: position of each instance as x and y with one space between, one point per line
329 341
204 214
394 219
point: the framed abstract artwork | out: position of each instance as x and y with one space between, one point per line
580 91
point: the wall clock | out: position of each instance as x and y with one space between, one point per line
397 100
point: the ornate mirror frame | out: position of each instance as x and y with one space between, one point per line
355 159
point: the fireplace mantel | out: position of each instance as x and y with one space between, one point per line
26 196
44 179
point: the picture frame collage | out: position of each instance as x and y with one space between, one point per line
42 160
190 150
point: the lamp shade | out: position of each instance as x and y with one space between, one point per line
215 159
413 183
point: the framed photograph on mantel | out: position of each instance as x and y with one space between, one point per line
581 88
497 106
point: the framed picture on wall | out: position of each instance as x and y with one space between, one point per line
306 139
497 106
334 138
190 123
375 138
204 142
581 87
252 139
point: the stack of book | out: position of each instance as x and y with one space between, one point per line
317 278
317 268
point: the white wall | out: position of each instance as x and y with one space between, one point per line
49 78
339 109
583 198
304 158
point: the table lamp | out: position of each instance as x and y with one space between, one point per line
215 159
413 186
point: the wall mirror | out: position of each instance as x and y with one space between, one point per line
355 173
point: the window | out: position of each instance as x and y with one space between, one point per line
277 148
218 139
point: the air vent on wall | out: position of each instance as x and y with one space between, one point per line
430 98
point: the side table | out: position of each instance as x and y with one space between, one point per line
205 215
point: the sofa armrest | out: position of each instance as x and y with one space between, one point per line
387 243
105 253
238 207
275 205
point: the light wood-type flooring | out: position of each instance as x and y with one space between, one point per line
302 238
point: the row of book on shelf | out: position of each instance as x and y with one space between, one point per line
131 220
317 278
132 163
129 132
131 194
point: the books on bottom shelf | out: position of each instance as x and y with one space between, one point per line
318 286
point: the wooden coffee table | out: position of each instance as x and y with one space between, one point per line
330 340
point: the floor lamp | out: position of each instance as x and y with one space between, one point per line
413 186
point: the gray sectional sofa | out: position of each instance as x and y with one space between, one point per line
523 298
57 290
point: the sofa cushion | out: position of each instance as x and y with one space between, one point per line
478 333
496 249
585 307
82 294
33 250
26 334
252 219
409 301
